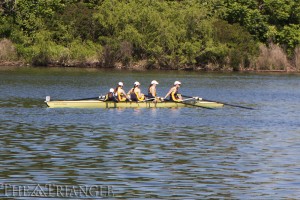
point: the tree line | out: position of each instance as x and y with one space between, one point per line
182 34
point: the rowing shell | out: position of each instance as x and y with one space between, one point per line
130 104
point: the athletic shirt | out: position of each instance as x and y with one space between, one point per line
120 96
174 95
109 97
134 96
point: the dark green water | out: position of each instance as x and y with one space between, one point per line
227 153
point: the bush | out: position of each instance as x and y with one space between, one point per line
84 51
272 58
297 58
214 57
240 47
43 51
7 51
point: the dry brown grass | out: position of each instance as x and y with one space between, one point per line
297 58
7 51
272 58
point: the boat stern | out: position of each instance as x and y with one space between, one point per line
47 100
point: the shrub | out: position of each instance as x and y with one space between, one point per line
7 50
297 58
240 45
84 51
214 57
272 58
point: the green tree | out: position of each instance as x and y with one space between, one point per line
278 11
240 45
289 37
248 15
31 15
77 20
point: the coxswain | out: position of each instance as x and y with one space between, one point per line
173 93
110 96
152 90
135 93
120 93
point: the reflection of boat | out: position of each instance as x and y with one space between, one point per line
130 104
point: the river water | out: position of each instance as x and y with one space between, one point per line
185 153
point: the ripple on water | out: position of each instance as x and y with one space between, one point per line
156 153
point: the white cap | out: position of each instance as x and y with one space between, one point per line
120 84
154 82
111 90
177 83
137 83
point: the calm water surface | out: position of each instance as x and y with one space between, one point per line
227 153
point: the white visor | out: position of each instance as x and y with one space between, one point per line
177 83
154 82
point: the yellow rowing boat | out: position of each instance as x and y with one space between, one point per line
130 104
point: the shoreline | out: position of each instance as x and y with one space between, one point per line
79 65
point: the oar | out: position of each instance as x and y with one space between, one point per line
222 103
189 99
147 100
183 102
91 98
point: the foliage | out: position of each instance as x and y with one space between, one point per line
290 37
268 21
168 34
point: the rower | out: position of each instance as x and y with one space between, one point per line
110 96
152 89
135 93
120 93
173 93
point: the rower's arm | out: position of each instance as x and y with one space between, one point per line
125 95
169 93
139 93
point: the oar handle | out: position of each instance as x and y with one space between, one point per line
196 98
189 99
147 100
